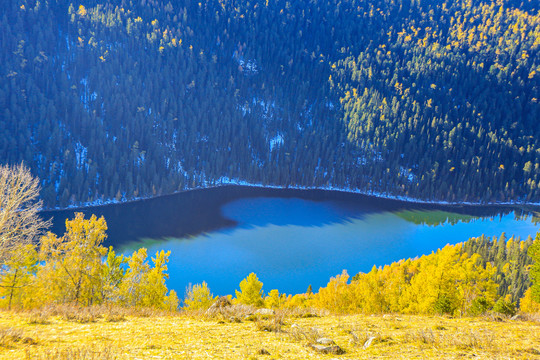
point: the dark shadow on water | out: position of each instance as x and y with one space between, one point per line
263 211
191 213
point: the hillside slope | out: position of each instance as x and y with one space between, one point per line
120 99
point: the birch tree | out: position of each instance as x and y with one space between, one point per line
20 223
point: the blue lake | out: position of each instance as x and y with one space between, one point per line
291 238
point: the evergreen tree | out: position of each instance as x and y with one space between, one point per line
534 272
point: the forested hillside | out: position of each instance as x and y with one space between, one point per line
435 100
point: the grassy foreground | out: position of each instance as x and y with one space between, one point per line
282 336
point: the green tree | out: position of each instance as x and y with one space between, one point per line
534 273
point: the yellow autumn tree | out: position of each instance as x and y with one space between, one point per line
250 291
73 267
82 11
17 276
298 301
475 283
143 285
449 282
527 304
433 289
366 293
275 299
336 296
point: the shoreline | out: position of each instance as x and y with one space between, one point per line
222 182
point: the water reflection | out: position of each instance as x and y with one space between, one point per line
290 238
261 211
292 243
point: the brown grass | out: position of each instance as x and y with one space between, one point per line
82 353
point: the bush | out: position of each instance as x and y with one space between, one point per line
443 305
480 306
275 299
198 297
505 307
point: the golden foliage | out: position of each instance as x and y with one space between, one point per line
444 282
527 303
198 297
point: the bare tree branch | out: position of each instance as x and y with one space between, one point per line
19 207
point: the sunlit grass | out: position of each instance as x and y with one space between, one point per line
113 334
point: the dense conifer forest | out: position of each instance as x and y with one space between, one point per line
120 99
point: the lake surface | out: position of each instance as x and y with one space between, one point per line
290 238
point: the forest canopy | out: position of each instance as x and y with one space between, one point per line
120 99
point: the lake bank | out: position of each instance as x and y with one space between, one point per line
228 182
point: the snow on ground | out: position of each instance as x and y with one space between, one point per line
249 67
407 173
80 153
276 141
224 180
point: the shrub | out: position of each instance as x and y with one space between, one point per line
480 306
505 307
198 297
443 305
275 299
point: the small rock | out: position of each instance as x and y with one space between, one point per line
368 342
222 301
323 349
517 317
325 341
263 352
218 305
265 312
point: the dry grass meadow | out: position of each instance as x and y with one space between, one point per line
95 333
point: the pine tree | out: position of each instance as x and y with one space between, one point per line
534 272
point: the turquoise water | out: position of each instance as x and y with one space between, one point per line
292 243
290 238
